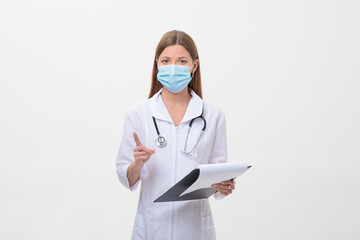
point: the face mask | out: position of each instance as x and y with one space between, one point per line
174 77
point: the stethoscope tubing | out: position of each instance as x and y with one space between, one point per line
160 141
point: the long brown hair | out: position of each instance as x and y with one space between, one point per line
172 38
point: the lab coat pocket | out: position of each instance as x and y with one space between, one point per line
139 228
207 228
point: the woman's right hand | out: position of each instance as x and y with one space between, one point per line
141 153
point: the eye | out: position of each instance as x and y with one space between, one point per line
183 61
165 61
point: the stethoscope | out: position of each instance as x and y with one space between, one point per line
160 141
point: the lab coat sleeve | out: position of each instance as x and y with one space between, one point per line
219 150
125 155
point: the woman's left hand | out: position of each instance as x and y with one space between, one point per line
225 187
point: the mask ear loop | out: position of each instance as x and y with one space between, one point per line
193 72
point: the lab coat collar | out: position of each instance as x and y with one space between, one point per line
159 110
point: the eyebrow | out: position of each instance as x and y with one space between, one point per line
170 57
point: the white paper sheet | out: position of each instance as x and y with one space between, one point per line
216 173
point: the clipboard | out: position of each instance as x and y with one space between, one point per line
197 184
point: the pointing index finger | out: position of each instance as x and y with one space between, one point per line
137 140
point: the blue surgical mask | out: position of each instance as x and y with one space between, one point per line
174 77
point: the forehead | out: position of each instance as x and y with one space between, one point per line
175 51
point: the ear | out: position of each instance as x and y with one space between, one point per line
196 64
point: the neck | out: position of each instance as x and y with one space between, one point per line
180 98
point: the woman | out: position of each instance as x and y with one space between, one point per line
175 99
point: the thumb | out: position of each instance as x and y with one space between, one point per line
137 140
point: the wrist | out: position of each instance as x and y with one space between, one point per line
137 165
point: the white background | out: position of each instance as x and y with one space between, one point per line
286 74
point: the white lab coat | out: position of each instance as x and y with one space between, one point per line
171 220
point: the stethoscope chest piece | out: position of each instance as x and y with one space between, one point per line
160 141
